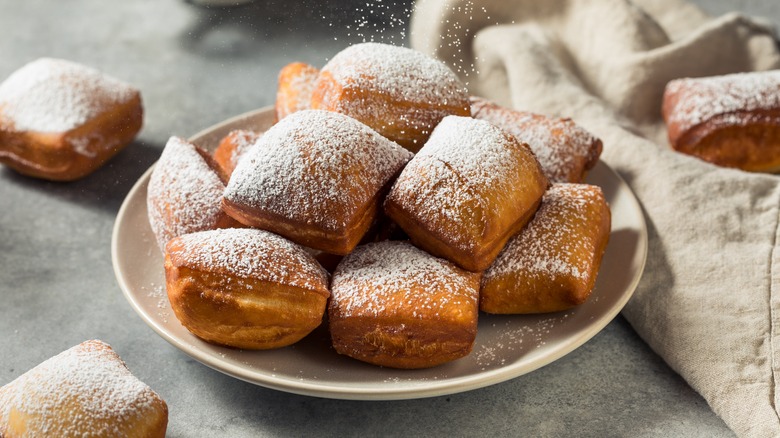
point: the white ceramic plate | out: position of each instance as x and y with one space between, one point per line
506 346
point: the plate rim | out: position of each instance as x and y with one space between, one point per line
326 390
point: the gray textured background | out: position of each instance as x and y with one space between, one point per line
196 67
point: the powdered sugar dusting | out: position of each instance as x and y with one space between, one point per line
251 254
315 167
564 149
295 94
184 193
241 140
700 99
391 273
446 178
421 90
53 95
84 391
549 244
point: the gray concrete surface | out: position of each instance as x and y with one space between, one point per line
196 67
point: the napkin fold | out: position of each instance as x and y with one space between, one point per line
708 300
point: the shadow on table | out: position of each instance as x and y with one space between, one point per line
105 188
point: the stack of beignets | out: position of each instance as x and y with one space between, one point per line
85 391
469 189
565 151
730 121
317 178
329 179
551 264
60 120
399 92
395 305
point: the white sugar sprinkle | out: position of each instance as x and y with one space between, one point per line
315 167
184 193
388 273
89 375
700 99
53 95
249 254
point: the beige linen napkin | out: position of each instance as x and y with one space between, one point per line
708 301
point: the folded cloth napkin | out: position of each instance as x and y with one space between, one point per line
708 302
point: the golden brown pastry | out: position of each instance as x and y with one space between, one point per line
185 193
730 121
244 288
317 178
396 306
84 391
565 151
232 147
61 121
296 81
399 92
551 264
469 189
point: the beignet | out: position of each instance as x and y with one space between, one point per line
395 305
552 263
232 147
85 391
565 151
317 178
244 288
399 92
185 193
730 121
61 121
470 188
296 82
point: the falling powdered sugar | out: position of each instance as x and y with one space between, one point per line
53 95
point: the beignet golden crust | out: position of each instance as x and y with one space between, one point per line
61 121
296 82
317 178
469 189
232 147
185 193
552 263
399 92
731 120
394 305
565 151
244 288
86 390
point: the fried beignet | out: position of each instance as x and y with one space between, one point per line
85 391
552 263
317 178
244 288
61 121
233 147
185 193
296 82
399 92
565 151
397 306
469 189
730 121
